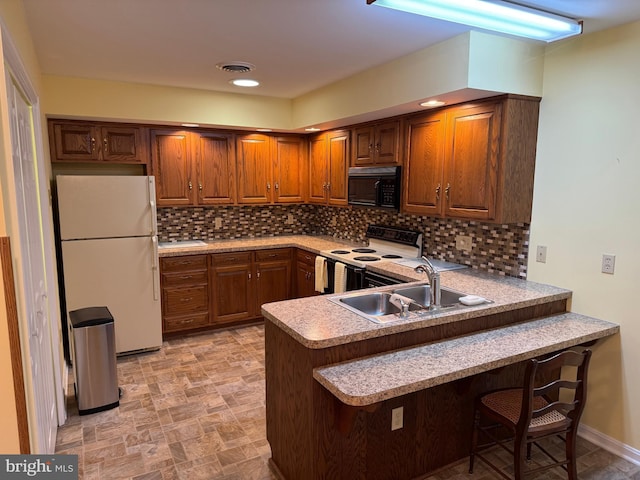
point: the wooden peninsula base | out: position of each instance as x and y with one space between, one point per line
317 429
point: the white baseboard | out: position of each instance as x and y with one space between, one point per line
609 444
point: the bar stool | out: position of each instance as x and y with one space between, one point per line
534 412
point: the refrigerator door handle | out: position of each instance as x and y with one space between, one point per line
152 204
155 269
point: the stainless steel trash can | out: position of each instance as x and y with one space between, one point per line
94 359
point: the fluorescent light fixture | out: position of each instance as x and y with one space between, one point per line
190 125
264 130
311 129
496 15
245 82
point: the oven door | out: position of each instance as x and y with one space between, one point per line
355 276
373 280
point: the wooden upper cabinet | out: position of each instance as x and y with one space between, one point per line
215 168
172 166
328 167
377 144
475 161
253 159
92 142
193 168
422 191
471 173
338 161
318 169
289 169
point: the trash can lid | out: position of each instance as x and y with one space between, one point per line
90 317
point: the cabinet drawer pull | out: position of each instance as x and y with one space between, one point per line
446 191
186 320
190 185
106 145
438 193
186 277
276 186
249 276
258 275
93 144
200 186
186 299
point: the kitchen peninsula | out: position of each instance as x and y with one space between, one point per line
334 377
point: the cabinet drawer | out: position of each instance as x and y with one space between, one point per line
306 257
231 258
275 254
186 322
183 263
183 279
179 301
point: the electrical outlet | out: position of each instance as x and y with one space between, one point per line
608 263
218 223
464 242
396 418
290 219
541 254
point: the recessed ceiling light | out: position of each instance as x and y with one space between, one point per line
245 82
190 125
312 129
432 103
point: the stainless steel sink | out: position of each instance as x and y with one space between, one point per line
374 304
422 294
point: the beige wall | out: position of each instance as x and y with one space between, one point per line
586 200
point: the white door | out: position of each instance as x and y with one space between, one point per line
122 275
33 268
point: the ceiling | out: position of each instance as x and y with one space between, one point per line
296 45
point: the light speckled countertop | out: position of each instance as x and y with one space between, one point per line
374 379
316 322
311 243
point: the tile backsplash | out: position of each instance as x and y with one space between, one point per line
496 248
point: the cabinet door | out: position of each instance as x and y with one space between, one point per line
76 142
171 165
123 144
305 274
288 173
470 177
274 281
387 143
318 169
423 191
215 168
254 169
338 149
363 146
233 285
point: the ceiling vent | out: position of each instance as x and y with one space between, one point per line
236 67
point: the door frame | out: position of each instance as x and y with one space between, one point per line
14 67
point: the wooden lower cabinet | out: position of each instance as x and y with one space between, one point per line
200 291
185 293
233 287
305 274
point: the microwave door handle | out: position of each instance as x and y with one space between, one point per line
376 186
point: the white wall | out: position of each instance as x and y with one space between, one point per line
587 202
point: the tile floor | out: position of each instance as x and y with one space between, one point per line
195 410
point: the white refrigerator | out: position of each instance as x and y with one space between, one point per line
108 233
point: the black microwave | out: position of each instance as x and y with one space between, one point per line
375 187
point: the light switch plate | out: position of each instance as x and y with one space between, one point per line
541 254
464 242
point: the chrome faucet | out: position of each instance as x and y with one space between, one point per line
434 282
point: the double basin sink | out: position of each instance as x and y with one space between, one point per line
376 305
